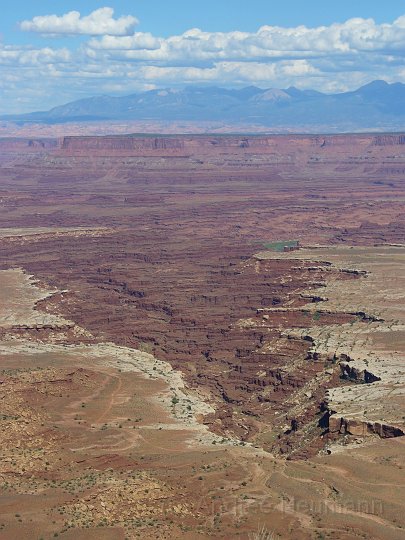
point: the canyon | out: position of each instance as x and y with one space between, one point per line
202 335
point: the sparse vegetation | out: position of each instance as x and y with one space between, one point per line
261 534
279 245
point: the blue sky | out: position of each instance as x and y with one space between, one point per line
49 55
166 17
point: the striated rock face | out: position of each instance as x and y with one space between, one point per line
367 350
389 140
358 428
132 145
350 148
204 144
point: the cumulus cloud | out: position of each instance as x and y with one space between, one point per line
269 42
100 22
138 41
33 57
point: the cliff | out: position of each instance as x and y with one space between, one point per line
186 145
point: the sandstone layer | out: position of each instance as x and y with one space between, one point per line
368 350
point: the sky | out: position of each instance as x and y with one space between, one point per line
55 52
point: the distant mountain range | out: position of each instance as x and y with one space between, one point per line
375 106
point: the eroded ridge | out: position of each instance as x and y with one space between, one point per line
18 312
19 296
368 349
75 411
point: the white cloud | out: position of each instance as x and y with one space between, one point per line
228 72
268 43
100 22
138 41
33 57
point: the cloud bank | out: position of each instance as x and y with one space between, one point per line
269 42
116 58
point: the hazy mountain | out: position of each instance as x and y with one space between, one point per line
377 105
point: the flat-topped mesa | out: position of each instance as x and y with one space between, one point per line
324 144
186 145
181 145
126 144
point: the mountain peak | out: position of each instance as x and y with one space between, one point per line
378 84
376 105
